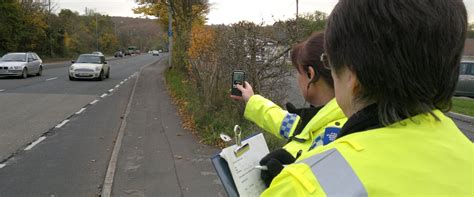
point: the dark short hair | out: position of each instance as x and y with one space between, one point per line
307 54
405 53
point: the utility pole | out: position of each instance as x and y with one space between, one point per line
96 33
50 30
170 34
296 21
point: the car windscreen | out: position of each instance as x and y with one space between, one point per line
89 59
14 57
466 68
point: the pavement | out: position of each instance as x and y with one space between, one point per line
62 142
158 156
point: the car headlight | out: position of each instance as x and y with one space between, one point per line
16 67
97 68
71 68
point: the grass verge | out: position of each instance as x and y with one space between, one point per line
463 106
209 122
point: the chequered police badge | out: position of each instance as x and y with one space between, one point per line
287 124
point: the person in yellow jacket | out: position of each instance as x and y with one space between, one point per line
395 65
306 128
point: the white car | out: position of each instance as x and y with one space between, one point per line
98 53
89 66
21 64
155 53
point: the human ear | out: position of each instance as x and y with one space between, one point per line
353 82
311 73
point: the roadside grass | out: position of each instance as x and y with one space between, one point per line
463 106
208 122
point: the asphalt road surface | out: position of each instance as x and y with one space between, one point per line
57 137
30 107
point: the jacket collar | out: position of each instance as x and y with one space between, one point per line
363 120
329 113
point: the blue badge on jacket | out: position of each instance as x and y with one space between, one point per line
330 134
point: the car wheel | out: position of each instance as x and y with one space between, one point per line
24 73
101 76
40 71
72 78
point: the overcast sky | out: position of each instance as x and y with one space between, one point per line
225 11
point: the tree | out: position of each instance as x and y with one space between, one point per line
9 23
203 65
184 14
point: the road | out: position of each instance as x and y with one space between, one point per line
32 106
58 137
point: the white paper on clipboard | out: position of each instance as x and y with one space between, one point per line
246 177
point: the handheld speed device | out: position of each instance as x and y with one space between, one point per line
238 77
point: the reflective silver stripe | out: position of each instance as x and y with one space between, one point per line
335 175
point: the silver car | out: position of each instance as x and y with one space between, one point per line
465 85
21 64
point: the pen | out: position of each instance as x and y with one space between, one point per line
261 167
264 167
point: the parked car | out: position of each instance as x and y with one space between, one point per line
465 85
89 66
98 53
118 54
21 64
155 53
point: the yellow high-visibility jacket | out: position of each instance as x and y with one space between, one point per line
417 157
321 129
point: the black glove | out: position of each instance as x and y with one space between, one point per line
274 162
305 114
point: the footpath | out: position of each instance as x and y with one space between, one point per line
157 156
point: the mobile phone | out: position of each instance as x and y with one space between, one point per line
238 77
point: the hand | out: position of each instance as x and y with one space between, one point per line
274 162
247 92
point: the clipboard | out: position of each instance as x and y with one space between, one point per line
222 167
223 171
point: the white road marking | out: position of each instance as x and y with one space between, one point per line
80 111
61 124
125 80
50 79
35 143
103 95
2 165
121 82
94 102
1 90
111 90
117 86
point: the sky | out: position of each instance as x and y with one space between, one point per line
224 11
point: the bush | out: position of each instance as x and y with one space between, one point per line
208 124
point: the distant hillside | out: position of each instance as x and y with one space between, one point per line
143 33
